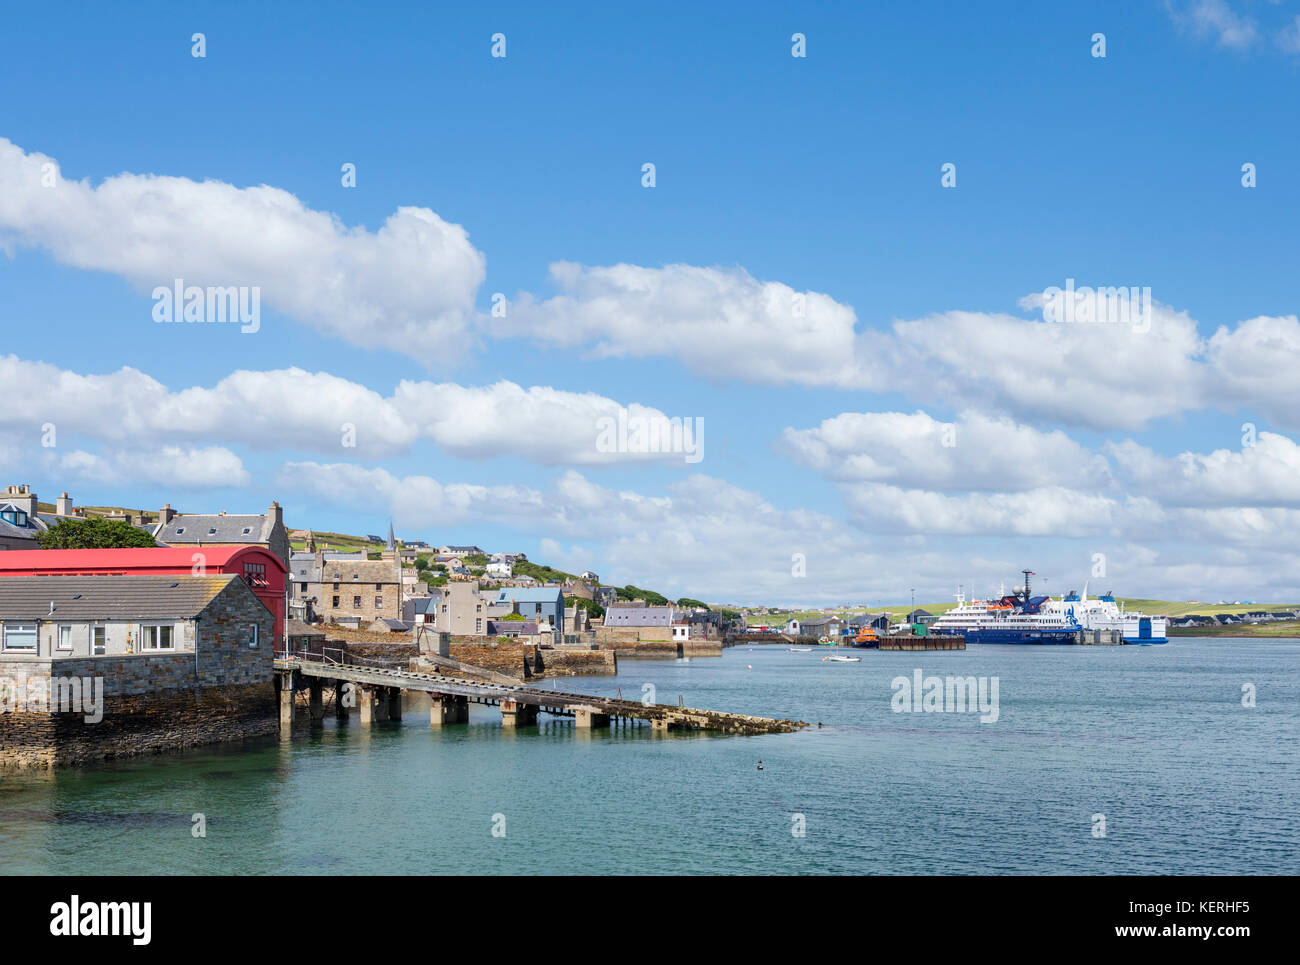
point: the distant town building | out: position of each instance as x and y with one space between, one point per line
638 615
267 530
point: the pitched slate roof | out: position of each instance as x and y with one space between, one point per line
216 529
359 571
109 597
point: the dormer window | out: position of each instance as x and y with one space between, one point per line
247 530
212 531
179 530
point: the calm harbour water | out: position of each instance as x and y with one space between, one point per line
1154 738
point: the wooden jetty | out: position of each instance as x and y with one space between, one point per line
927 642
375 692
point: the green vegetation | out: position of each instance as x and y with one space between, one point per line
540 573
594 609
474 560
686 601
631 592
1282 628
93 533
516 617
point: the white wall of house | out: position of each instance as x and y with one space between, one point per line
76 638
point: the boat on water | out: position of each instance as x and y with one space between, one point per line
801 649
840 659
1021 617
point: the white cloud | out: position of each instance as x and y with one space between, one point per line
717 322
1054 511
1264 474
1257 365
409 286
1098 375
295 409
1215 19
180 467
974 452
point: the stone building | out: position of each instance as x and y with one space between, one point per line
96 667
266 530
348 589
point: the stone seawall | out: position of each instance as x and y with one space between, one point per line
139 724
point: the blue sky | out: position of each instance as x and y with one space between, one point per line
775 175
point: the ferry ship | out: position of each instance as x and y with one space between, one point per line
1024 618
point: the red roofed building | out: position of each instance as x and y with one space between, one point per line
261 569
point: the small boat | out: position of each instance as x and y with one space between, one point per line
839 659
801 649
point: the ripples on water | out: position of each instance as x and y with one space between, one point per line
1154 738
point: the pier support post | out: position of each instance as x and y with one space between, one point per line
515 714
341 700
314 694
286 698
589 717
660 725
394 703
448 709
366 704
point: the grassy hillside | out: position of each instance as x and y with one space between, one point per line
1282 628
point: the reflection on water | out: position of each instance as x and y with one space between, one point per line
1155 738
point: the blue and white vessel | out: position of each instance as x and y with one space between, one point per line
1024 618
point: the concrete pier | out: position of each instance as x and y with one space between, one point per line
394 703
589 717
516 714
340 699
317 704
366 704
519 704
286 698
445 709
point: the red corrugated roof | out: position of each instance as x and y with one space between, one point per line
126 560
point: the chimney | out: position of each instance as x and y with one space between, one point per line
166 514
64 505
276 514
22 497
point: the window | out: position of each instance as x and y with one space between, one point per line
336 586
212 531
302 587
156 637
252 635
255 574
65 637
98 641
379 602
356 602
20 636
379 587
478 625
